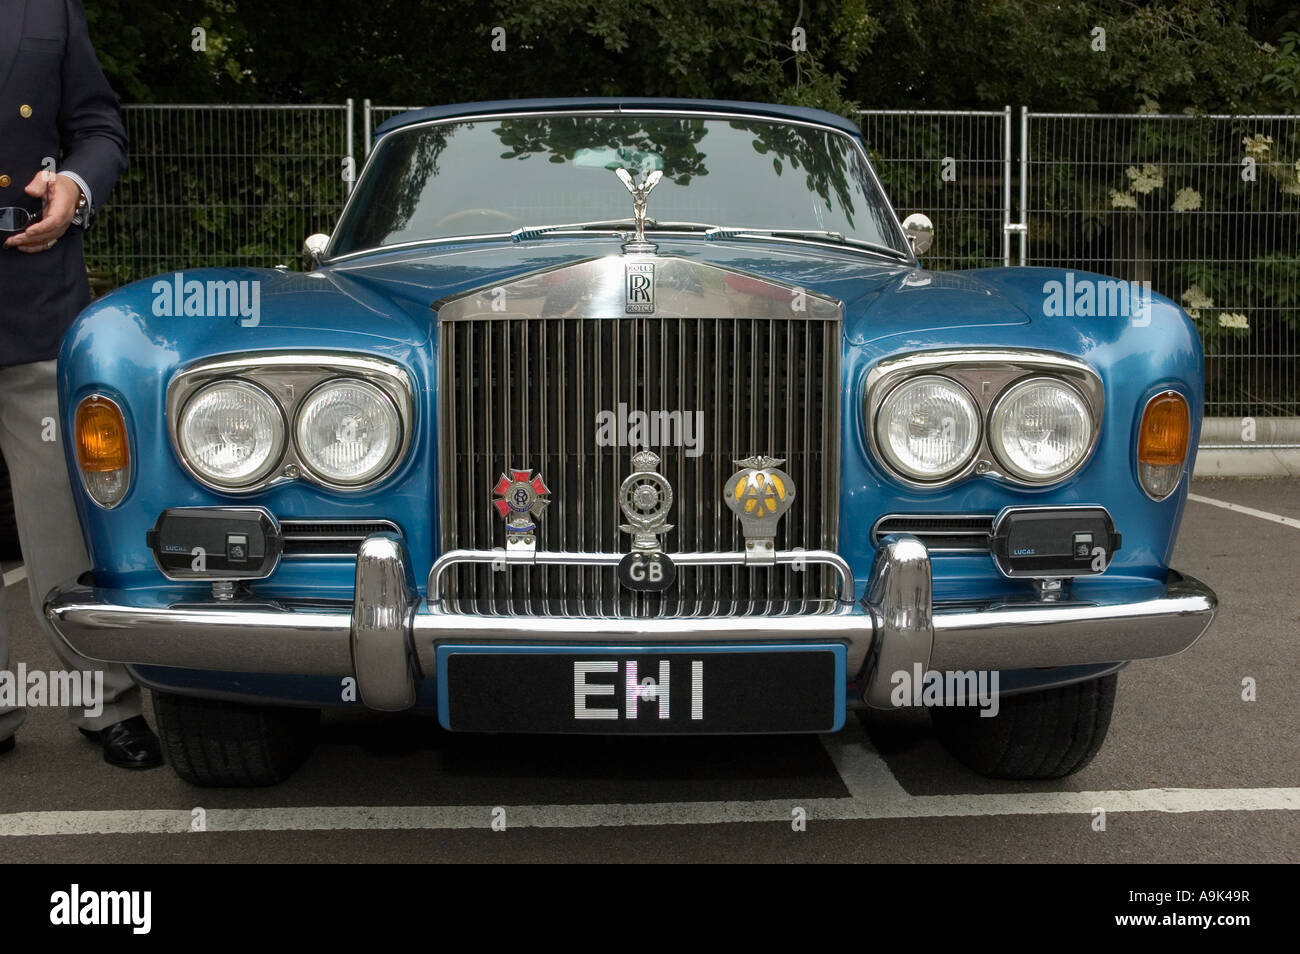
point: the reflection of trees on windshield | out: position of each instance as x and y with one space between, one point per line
763 174
389 208
825 158
674 141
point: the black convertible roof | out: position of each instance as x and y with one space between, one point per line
628 103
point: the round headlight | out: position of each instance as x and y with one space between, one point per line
928 428
348 431
1040 429
231 433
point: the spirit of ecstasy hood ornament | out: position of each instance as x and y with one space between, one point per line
639 193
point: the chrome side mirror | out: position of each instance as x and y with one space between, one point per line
920 232
313 250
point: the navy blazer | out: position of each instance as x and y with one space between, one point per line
54 102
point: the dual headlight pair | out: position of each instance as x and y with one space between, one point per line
930 427
244 422
233 433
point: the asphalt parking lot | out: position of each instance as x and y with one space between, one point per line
1190 773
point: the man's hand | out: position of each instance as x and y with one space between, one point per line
63 206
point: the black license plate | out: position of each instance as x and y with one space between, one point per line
642 690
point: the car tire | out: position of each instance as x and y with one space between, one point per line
215 743
1035 735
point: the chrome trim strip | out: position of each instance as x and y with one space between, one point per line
987 375
602 281
905 247
289 376
571 558
848 623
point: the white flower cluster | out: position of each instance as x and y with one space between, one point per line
1145 180
1187 200
1195 299
1123 200
1233 320
1257 146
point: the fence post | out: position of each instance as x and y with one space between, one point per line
1006 185
352 168
365 125
1024 185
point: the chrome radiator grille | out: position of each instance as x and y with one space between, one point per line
525 393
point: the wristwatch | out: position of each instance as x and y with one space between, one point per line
81 216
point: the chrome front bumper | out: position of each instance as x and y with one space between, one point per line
387 638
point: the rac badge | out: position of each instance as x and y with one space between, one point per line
759 494
646 497
520 498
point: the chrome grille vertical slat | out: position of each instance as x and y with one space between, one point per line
584 520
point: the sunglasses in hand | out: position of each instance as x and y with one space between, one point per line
14 218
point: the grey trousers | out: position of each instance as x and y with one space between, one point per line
53 550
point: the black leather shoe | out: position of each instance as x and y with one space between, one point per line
129 744
6 745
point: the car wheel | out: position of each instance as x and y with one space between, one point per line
1035 735
229 744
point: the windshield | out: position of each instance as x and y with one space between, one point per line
498 175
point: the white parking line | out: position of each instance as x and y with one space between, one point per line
1249 511
16 575
874 794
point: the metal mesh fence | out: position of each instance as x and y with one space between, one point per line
956 168
1207 209
221 185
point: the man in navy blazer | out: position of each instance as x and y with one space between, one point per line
62 148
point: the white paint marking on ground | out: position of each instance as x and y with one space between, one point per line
400 817
16 575
874 794
1249 511
865 774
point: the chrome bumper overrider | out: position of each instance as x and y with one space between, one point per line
387 638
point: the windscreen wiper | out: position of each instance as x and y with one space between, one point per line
536 231
826 235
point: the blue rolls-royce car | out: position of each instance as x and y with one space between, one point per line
629 416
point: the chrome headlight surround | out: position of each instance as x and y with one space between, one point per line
986 374
289 377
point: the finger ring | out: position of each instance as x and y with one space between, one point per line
52 241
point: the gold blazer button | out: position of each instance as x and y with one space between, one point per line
4 182
25 111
